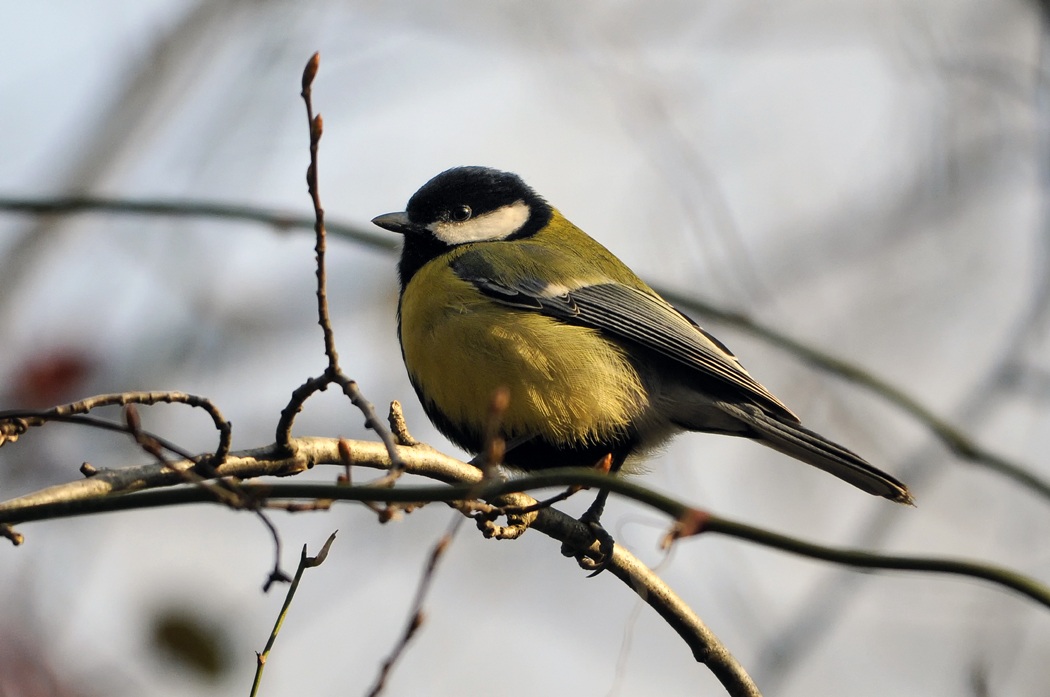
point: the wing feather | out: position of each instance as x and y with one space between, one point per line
624 312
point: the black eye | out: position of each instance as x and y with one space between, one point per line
460 213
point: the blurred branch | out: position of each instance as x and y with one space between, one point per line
951 437
190 208
965 170
140 97
416 617
1029 380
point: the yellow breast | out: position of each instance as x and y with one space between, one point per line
567 384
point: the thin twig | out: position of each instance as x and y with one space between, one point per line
19 419
542 503
15 426
416 616
305 563
11 534
192 208
333 373
372 421
316 130
224 490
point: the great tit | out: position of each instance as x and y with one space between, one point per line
500 291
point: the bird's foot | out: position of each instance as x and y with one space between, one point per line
595 554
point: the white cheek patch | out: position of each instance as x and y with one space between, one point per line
494 225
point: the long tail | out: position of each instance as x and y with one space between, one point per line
814 449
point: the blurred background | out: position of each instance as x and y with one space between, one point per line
868 177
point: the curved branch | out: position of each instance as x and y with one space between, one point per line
15 422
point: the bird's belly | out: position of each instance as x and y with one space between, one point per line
567 384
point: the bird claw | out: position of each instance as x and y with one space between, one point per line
596 555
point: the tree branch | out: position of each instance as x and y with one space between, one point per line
464 481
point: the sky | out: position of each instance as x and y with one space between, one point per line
865 177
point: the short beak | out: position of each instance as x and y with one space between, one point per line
394 222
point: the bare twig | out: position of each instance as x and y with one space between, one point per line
543 503
416 616
10 533
305 563
372 422
333 373
15 422
398 426
320 245
223 490
13 427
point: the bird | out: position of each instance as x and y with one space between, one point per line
500 292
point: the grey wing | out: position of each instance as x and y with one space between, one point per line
627 313
648 320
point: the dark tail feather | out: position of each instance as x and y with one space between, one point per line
814 449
